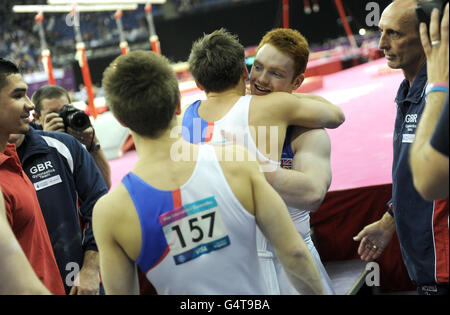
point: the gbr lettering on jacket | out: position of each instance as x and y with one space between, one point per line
41 167
43 175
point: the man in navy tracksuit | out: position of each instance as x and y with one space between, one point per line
68 184
422 226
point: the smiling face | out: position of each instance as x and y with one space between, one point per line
15 107
273 71
400 39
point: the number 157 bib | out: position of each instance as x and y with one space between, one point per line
194 229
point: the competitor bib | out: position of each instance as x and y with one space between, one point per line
194 229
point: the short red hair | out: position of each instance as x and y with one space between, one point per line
291 42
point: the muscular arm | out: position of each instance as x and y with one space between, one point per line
312 97
275 223
305 185
300 110
16 274
429 167
118 271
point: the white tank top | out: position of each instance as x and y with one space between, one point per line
235 122
198 239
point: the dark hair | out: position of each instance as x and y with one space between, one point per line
6 68
142 91
47 92
217 61
290 42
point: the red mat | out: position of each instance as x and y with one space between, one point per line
362 147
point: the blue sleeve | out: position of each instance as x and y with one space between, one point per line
90 186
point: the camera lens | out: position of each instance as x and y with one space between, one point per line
79 121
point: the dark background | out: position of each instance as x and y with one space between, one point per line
250 21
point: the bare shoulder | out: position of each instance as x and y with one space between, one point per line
310 138
110 208
273 105
273 99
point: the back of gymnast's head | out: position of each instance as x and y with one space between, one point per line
6 68
217 61
142 91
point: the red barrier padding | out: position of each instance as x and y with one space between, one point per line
324 66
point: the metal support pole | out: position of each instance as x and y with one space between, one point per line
123 42
306 7
45 52
154 40
347 28
83 62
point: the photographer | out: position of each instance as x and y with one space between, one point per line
51 115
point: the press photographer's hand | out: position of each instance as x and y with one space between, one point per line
86 136
53 122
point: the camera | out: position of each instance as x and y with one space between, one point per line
424 9
74 118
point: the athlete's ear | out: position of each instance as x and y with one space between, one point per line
199 85
178 108
298 81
